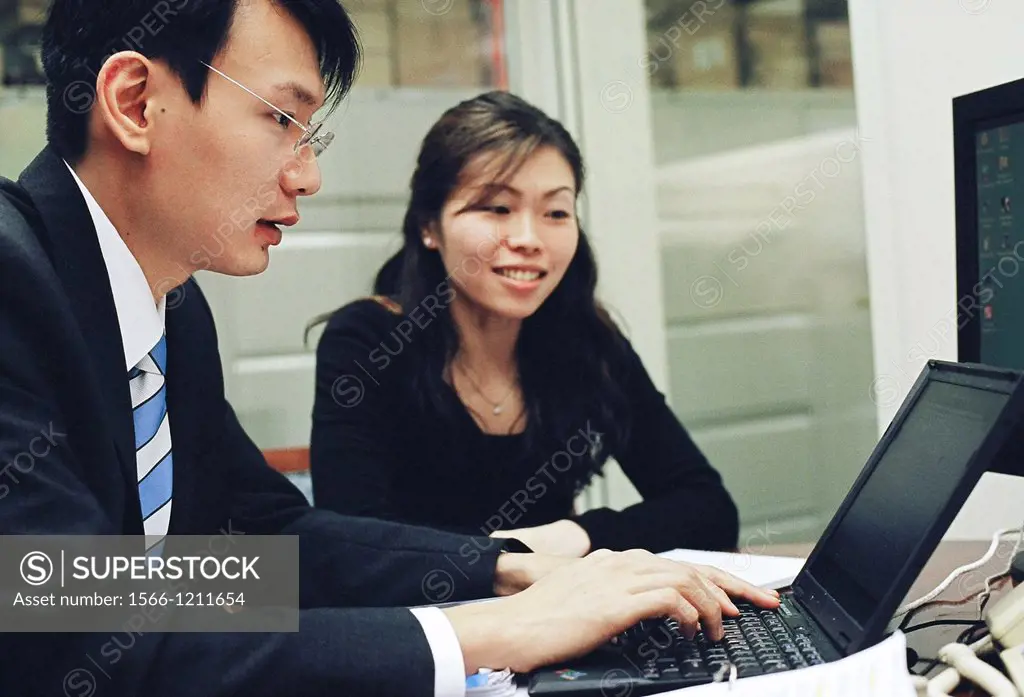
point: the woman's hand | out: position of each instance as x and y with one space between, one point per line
563 538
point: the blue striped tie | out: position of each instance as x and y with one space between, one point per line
153 459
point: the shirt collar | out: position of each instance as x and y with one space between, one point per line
140 319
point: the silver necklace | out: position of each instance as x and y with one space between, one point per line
496 407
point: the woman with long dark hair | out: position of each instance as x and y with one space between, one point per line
483 386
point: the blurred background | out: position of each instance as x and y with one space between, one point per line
725 202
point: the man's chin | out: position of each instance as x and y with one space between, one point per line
254 263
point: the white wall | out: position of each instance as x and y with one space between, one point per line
911 58
605 102
613 103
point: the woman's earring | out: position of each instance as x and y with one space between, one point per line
428 242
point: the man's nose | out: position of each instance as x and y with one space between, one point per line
301 175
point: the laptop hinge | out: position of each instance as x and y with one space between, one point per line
824 613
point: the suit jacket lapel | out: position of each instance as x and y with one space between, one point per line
182 387
70 238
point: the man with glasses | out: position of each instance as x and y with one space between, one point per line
190 151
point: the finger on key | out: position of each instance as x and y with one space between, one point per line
738 588
697 592
666 602
723 599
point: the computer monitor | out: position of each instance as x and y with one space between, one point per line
988 156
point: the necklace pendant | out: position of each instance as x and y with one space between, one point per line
496 411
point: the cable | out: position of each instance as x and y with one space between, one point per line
936 623
956 573
944 678
1004 573
965 637
962 601
959 572
930 663
969 636
1016 550
1017 568
964 662
984 601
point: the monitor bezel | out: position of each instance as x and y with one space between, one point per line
984 109
849 635
981 110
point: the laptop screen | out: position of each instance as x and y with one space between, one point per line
905 494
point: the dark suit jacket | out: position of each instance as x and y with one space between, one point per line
62 373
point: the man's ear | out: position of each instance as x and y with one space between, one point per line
124 100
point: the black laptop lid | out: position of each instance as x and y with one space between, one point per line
939 444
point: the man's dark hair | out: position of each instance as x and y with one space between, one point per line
81 34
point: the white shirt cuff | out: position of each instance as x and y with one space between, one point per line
449 668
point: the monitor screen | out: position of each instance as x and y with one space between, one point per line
904 496
999 204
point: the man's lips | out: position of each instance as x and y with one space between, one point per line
271 232
284 221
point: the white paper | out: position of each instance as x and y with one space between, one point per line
769 572
880 671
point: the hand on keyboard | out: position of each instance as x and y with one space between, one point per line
755 643
581 605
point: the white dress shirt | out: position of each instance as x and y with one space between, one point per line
140 318
142 324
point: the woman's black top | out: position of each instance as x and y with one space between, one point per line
376 452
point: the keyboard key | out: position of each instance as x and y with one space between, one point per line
757 642
748 670
693 669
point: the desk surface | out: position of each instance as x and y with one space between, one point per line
947 557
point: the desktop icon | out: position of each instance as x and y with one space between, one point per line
988 312
1004 162
985 243
984 139
1005 203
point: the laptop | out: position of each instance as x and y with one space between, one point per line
947 433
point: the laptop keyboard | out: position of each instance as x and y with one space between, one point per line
756 643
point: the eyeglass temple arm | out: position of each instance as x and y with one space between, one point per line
236 82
